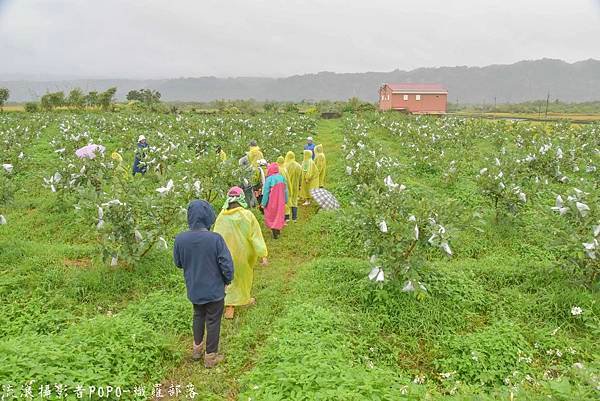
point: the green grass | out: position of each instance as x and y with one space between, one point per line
319 331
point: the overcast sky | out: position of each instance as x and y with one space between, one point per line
166 39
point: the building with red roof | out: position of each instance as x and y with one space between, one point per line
413 98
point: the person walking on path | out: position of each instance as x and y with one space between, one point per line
254 154
262 177
241 232
140 155
275 197
255 158
207 268
310 145
294 172
321 163
248 185
310 177
283 172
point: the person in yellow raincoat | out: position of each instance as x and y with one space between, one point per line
321 163
254 154
294 173
283 172
119 169
221 153
243 236
310 177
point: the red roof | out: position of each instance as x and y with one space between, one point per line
413 87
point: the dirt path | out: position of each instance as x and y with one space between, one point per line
243 337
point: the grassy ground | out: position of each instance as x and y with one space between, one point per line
245 338
319 330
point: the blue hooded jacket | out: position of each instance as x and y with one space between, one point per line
203 255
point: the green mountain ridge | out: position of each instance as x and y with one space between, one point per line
506 83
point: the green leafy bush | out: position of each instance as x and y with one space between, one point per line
488 356
122 351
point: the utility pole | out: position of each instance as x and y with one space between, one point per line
547 101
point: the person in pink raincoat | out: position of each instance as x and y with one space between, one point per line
275 195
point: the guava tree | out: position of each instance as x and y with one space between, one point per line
4 95
578 235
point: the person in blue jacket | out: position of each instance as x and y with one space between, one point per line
140 154
310 145
207 268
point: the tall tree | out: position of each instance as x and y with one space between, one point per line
76 98
4 94
106 98
134 95
146 96
53 100
91 99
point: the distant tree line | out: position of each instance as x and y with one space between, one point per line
76 99
148 99
531 107
146 96
251 106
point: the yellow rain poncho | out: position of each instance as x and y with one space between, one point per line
294 172
321 163
310 175
254 155
283 172
119 169
245 241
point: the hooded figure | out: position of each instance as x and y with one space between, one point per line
119 170
254 155
243 237
207 267
262 170
294 172
321 163
275 196
310 177
260 176
283 172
